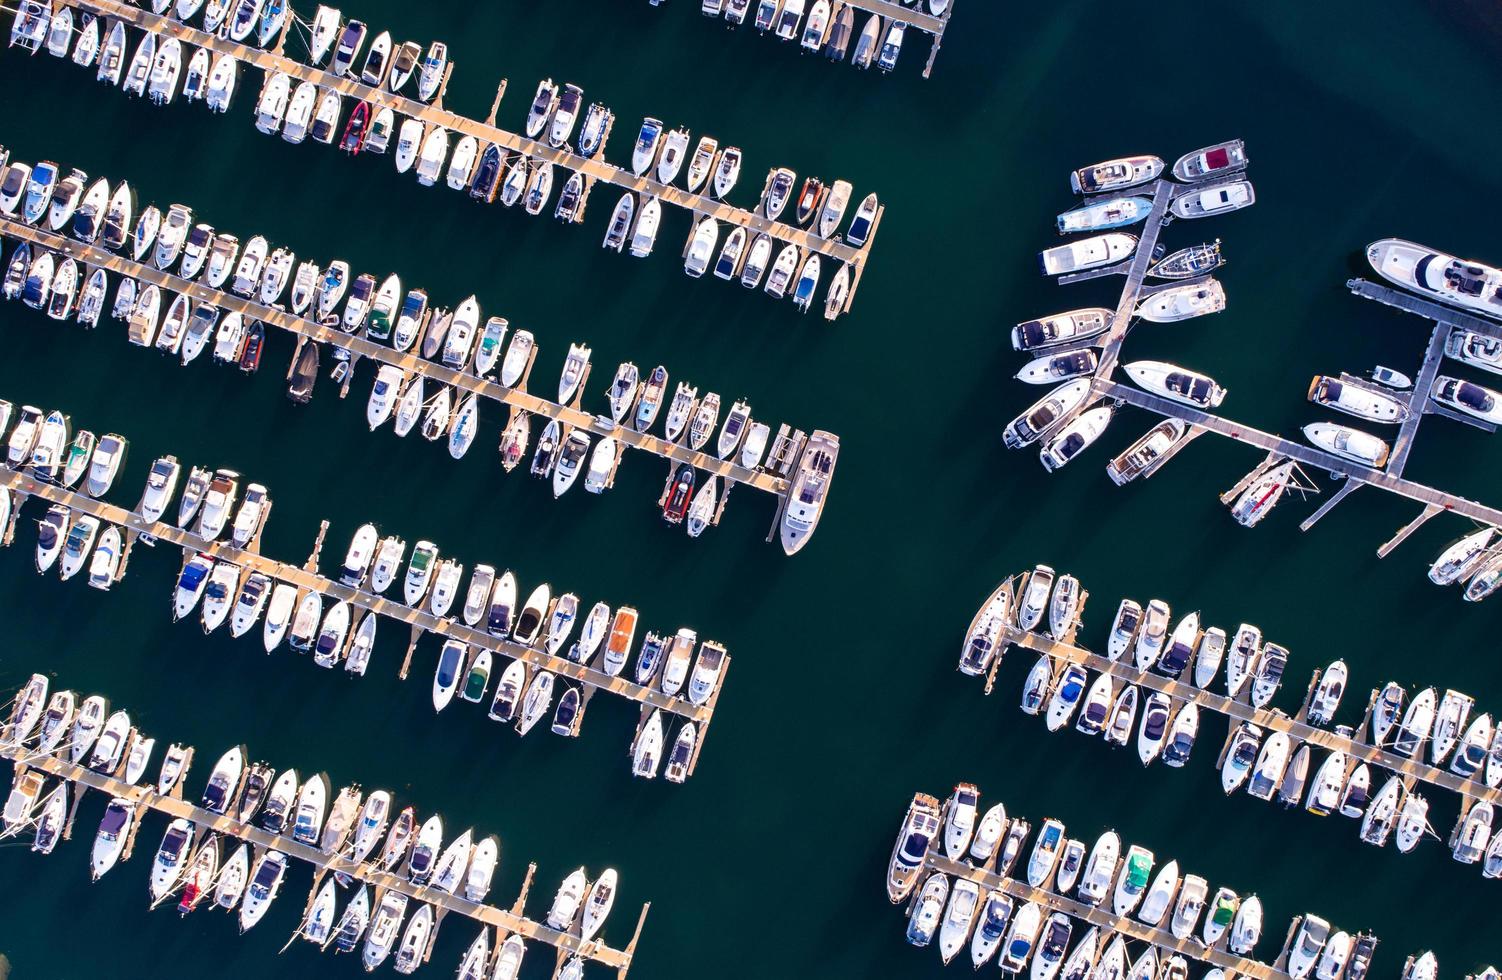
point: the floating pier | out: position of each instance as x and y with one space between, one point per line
420 620
174 807
770 478
593 168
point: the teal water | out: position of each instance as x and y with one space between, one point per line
1362 120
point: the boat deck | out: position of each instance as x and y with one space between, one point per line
594 169
408 363
504 921
1238 711
307 579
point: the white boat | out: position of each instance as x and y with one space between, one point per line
1176 383
1462 558
929 908
109 839
1215 199
1087 253
1369 402
453 660
1116 174
265 883
1467 398
1184 302
1349 443
1262 494
1075 437
1464 283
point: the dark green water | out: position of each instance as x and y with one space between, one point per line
1362 120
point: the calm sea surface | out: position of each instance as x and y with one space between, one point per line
1362 121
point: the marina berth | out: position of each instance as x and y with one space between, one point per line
336 621
263 848
1299 759
427 132
774 474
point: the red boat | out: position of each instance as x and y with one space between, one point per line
251 346
356 129
680 496
189 899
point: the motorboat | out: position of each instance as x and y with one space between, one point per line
1240 756
1327 694
1075 437
265 883
1467 398
453 660
1211 161
1153 732
1063 328
109 840
1208 656
1114 175
1308 942
1177 303
1176 383
1464 283
1371 402
1087 253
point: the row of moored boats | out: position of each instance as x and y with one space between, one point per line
198 865
964 909
829 26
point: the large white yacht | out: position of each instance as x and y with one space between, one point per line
809 489
1459 282
1176 383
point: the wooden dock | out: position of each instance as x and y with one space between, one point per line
1101 915
594 168
1238 711
408 363
418 619
488 916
